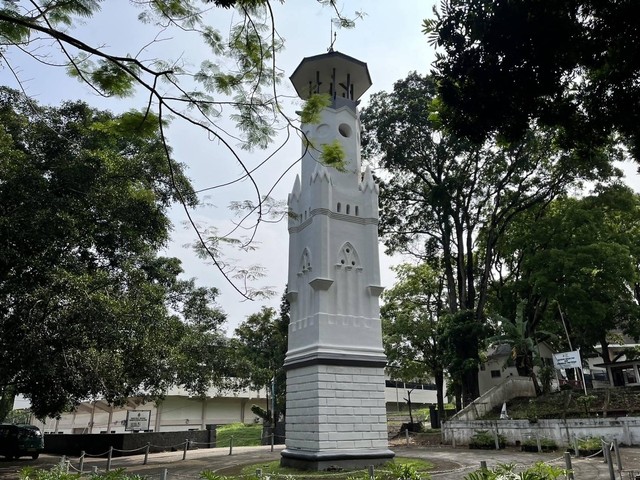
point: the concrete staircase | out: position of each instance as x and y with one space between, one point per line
512 387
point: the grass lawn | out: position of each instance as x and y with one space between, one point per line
243 435
383 471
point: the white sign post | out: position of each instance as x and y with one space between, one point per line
138 420
565 360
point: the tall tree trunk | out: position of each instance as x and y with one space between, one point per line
7 397
448 269
470 388
606 358
439 379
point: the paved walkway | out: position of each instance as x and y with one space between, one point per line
450 463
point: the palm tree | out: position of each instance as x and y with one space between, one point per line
524 346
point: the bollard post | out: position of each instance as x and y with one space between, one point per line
575 446
483 465
63 460
538 442
231 445
618 459
163 474
406 434
259 473
272 440
94 470
567 462
372 473
186 447
146 453
81 466
497 440
604 446
607 455
109 459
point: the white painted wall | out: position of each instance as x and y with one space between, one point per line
177 412
494 371
625 429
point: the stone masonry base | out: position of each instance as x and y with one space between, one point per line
336 415
337 458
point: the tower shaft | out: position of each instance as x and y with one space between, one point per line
335 362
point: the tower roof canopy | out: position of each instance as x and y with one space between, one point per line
334 73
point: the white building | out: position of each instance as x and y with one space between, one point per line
177 412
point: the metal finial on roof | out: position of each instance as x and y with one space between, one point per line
332 37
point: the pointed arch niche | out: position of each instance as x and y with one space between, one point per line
348 269
305 262
304 301
348 257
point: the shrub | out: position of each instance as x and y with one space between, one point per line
60 473
589 443
546 376
482 439
539 471
547 445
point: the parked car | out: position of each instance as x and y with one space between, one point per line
20 441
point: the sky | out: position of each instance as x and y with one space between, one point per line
390 41
388 38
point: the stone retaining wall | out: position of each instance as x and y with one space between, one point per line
625 429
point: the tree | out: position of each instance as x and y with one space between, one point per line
237 80
506 66
260 347
87 306
578 256
411 329
448 201
524 344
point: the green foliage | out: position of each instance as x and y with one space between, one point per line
398 468
503 471
312 108
589 443
448 201
333 155
546 444
259 351
209 475
250 47
580 253
546 376
524 346
243 435
411 329
506 66
586 401
59 472
88 306
405 471
483 439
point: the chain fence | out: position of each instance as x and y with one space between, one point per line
609 450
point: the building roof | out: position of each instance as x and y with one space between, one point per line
316 72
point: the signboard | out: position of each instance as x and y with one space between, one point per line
138 420
567 360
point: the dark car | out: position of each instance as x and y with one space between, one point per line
20 441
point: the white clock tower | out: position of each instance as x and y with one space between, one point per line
335 362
